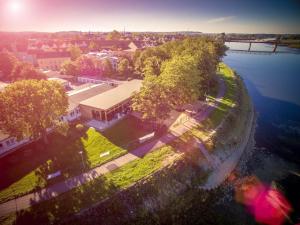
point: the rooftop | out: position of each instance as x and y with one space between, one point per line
114 96
76 96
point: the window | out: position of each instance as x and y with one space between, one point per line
10 142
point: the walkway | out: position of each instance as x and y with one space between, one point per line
59 188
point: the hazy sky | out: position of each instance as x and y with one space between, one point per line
251 16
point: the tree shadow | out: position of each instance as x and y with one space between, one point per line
67 204
70 159
64 153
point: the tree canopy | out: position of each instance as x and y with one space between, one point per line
75 52
25 71
29 107
114 35
175 73
123 66
12 69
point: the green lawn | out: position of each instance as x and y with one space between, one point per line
126 132
26 170
227 74
94 191
226 104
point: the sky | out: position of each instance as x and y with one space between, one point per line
210 16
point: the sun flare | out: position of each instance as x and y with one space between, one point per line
15 6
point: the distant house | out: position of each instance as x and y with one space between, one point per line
101 56
52 60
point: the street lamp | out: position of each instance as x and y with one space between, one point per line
81 153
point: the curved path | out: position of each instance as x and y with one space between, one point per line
62 187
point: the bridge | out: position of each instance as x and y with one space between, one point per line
271 42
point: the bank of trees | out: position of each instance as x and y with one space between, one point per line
175 74
85 65
12 69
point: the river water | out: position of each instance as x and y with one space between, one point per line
273 82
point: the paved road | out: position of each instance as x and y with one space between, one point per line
59 188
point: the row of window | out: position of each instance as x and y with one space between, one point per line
8 143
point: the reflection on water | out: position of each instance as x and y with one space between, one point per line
273 82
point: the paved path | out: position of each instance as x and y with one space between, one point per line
59 188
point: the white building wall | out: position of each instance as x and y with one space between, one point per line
10 143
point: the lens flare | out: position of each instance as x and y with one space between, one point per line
15 6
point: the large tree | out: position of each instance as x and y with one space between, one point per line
123 67
75 52
29 107
152 100
87 66
107 67
70 68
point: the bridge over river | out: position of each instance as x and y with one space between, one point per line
267 46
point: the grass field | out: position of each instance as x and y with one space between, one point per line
226 104
26 170
126 132
228 100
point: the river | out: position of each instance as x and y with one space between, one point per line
273 82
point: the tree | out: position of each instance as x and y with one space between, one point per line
29 107
87 66
123 66
94 46
75 52
114 35
152 66
7 64
25 71
152 100
70 68
107 67
181 80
